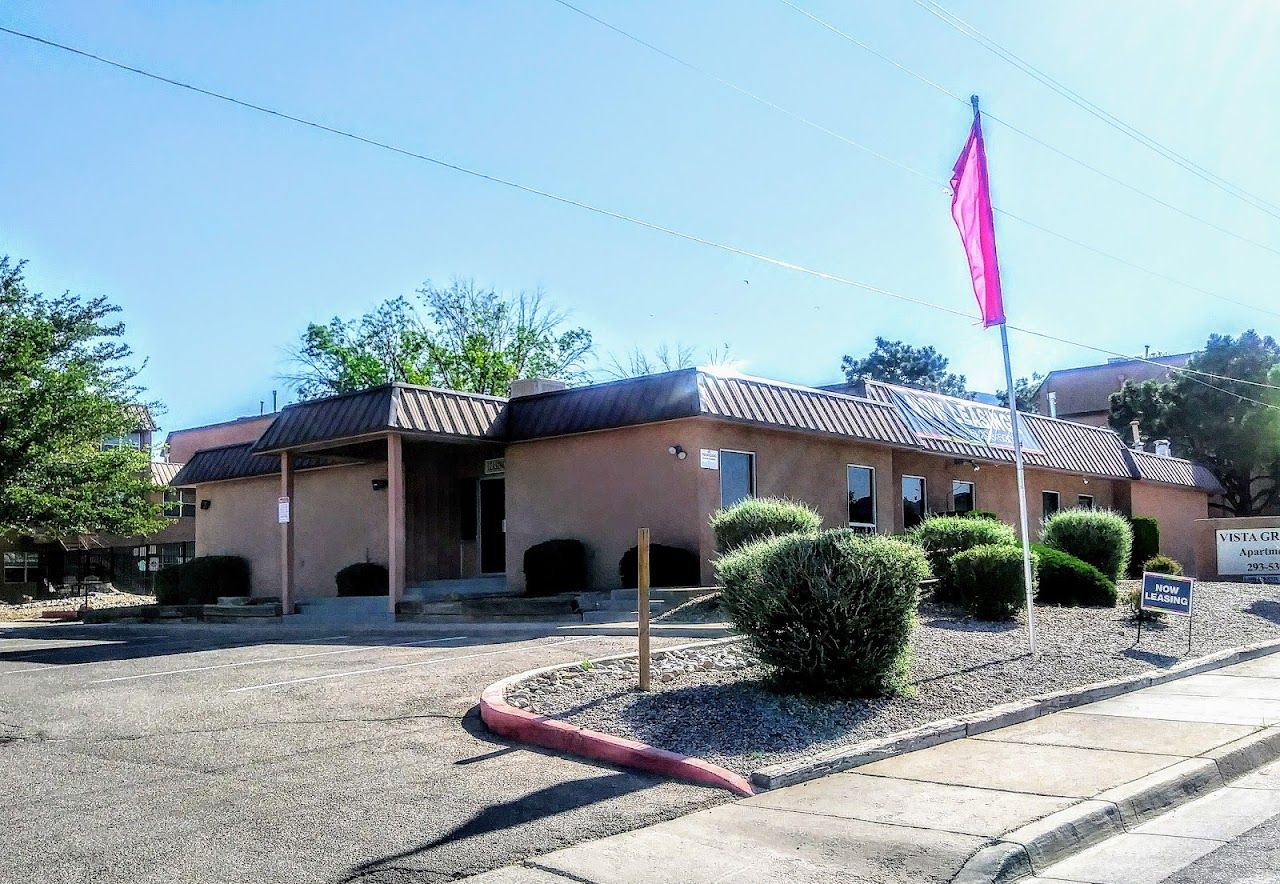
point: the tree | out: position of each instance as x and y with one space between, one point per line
1025 390
463 337
65 387
666 357
1232 428
895 362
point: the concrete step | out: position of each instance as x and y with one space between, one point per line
608 603
411 616
229 613
479 610
632 616
676 595
229 600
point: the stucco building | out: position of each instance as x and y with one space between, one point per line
438 484
1083 394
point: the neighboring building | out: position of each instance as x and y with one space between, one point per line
128 563
1083 394
439 484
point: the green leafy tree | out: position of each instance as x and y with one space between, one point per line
1025 390
462 337
66 385
895 362
1232 428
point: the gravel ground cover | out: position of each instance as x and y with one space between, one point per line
31 610
715 703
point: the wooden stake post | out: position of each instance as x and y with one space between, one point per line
642 602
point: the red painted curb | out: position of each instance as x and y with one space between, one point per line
551 733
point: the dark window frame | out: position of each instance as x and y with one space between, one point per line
924 499
874 524
1057 503
973 495
751 476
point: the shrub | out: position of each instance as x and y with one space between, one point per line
1100 537
1146 542
758 518
1163 565
980 514
668 566
202 580
362 578
555 566
989 580
829 613
1062 579
166 583
941 537
1132 600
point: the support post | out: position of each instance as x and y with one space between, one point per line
285 516
1022 490
395 520
642 603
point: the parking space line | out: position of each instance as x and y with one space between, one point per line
427 641
291 681
168 646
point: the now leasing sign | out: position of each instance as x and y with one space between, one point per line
1162 592
1249 551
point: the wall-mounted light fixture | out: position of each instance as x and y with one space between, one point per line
379 484
1086 480
960 461
206 503
678 451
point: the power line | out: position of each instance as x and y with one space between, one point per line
901 165
619 216
971 32
1025 134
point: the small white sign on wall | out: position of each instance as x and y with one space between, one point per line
282 510
710 459
495 465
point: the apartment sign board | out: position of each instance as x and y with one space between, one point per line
1249 551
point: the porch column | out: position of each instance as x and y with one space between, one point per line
395 519
285 516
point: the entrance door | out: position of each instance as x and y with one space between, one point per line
493 526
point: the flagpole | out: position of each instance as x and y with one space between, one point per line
1018 462
1022 488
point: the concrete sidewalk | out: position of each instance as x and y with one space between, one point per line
1002 805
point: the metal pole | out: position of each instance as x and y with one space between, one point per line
1022 488
642 603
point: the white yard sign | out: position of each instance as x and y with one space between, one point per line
710 458
282 510
1249 551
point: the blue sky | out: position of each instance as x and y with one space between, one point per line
222 233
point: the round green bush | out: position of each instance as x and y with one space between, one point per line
1146 542
554 566
1102 538
829 613
1163 565
941 537
363 578
989 581
1062 579
759 517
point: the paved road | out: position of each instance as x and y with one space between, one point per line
1253 858
201 753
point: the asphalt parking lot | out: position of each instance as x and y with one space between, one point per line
223 753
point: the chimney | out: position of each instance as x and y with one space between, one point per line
534 386
1053 403
1163 448
1137 437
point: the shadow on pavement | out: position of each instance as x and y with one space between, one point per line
546 802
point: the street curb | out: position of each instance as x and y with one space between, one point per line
948 729
540 730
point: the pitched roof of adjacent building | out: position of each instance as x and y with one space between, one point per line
880 414
163 471
1087 389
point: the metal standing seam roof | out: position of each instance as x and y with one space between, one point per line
163 471
237 462
402 407
621 403
1174 471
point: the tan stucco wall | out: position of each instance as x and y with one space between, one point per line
599 488
338 519
184 443
1177 510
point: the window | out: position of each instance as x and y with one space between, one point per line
22 567
1048 503
914 503
1085 501
132 440
737 476
179 503
176 553
862 497
964 496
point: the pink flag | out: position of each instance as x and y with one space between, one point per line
971 209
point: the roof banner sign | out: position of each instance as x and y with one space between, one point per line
960 420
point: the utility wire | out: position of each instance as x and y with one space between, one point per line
1025 134
608 213
971 32
901 165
